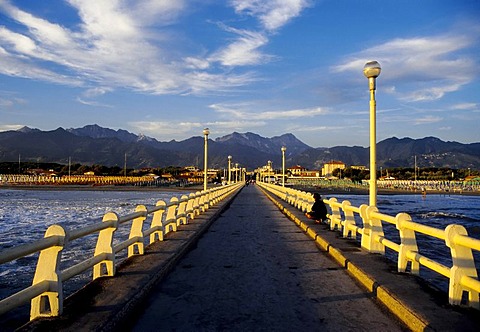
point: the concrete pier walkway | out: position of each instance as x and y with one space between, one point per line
255 270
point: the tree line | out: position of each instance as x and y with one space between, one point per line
399 173
408 173
80 169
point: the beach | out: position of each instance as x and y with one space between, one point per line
325 191
193 188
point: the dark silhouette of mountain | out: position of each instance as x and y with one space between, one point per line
96 145
26 129
266 145
395 152
58 145
95 131
430 151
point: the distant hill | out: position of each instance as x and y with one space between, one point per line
95 131
266 145
93 144
395 152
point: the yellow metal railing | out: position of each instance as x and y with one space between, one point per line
46 293
462 275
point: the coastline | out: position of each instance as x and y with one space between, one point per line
325 191
101 188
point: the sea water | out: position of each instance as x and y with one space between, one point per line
25 215
435 210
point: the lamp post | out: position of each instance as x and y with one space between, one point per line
206 131
415 170
125 166
372 70
284 148
229 169
236 172
269 171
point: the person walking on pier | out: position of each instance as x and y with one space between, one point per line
319 210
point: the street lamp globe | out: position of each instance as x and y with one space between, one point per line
372 69
206 131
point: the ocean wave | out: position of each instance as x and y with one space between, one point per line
446 215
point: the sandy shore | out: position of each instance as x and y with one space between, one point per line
101 188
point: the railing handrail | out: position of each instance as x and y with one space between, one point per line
49 276
463 274
23 250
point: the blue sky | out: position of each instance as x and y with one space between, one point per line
169 68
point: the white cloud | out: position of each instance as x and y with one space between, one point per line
293 114
121 44
228 126
19 42
181 129
421 68
273 14
314 128
196 63
164 12
6 127
202 82
44 32
432 93
92 103
427 119
240 111
466 106
166 129
95 92
22 67
244 50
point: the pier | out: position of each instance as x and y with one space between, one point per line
252 262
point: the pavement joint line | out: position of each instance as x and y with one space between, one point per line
391 302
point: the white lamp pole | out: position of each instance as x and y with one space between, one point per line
236 172
206 131
229 169
284 148
372 70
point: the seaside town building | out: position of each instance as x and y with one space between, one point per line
328 168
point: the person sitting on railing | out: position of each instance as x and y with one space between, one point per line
318 211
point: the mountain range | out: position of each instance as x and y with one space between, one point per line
93 144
